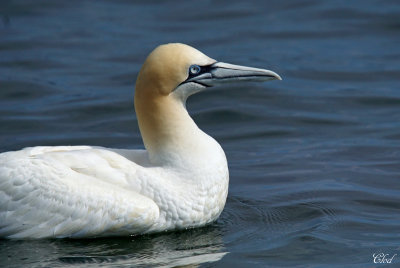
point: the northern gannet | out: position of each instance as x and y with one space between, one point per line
179 181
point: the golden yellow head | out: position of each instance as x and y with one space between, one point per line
168 66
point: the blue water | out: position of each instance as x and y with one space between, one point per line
314 159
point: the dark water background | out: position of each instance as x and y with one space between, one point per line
314 159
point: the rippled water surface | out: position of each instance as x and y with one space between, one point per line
314 159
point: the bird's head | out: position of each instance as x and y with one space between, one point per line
180 71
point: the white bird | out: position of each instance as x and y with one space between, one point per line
180 181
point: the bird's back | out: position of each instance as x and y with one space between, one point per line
71 191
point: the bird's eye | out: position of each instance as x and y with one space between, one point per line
194 69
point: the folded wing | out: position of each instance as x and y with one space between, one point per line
57 192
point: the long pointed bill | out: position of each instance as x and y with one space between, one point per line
221 72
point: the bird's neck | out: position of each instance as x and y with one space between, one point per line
170 135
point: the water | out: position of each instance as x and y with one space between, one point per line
314 159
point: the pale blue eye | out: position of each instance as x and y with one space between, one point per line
194 69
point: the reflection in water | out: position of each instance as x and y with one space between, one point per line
186 248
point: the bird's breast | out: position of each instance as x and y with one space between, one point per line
191 197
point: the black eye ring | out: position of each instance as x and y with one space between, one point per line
194 69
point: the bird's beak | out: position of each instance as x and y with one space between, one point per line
221 72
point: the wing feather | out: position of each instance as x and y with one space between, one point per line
62 193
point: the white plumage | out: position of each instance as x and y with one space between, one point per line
81 191
180 181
